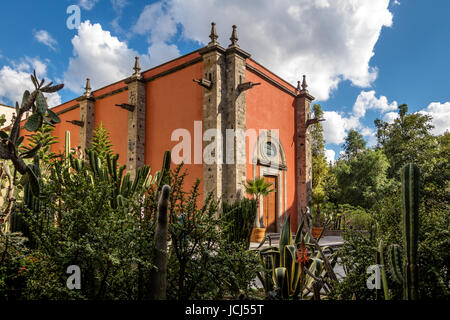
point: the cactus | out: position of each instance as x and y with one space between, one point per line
410 211
395 259
67 147
383 270
163 175
159 276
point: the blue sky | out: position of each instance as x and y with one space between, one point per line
361 58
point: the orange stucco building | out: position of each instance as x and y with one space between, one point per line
192 105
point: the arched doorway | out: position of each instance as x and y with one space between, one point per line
269 162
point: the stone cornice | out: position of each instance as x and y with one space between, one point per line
238 51
270 80
207 49
305 94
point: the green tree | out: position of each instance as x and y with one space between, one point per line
44 137
101 142
319 163
362 180
354 144
407 139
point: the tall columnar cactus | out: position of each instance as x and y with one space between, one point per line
163 175
159 276
67 147
395 262
383 270
410 211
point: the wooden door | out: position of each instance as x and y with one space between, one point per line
270 205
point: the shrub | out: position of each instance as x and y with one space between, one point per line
240 217
203 264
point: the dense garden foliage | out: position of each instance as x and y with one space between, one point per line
80 208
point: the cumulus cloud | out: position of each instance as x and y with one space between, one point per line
99 56
330 155
390 117
160 27
366 100
15 80
45 38
87 4
329 41
440 112
337 125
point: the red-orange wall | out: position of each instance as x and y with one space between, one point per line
268 107
115 120
173 101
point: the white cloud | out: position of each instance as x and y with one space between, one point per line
330 155
367 100
16 79
390 117
45 38
87 4
160 26
337 125
329 41
441 116
99 56
161 52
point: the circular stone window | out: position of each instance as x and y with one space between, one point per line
270 150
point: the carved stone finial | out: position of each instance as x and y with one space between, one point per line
213 35
137 68
234 38
298 86
304 84
87 88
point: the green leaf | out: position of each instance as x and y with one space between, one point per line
32 152
26 95
50 89
19 141
33 122
53 116
282 281
41 103
4 135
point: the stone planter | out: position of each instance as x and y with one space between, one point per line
257 234
316 231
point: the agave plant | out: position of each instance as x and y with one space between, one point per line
296 269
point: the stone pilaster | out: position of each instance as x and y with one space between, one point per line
303 155
235 119
213 71
136 125
87 113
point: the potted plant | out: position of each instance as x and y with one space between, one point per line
258 188
317 228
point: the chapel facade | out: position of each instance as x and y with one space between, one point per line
227 117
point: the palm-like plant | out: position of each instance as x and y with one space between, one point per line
258 187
